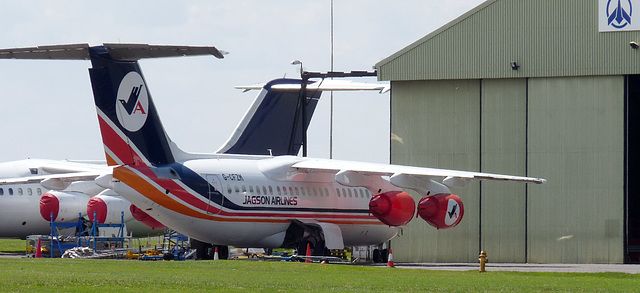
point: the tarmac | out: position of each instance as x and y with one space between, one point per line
526 267
509 267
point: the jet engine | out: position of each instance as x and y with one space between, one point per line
441 210
145 219
65 205
394 208
108 208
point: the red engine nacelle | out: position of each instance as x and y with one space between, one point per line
145 219
441 210
394 208
65 205
108 209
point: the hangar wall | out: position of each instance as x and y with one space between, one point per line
504 137
576 140
569 130
438 127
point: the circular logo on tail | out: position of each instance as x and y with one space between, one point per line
132 102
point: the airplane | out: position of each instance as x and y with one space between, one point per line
263 130
33 190
249 200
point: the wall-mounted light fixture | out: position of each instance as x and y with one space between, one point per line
514 65
634 45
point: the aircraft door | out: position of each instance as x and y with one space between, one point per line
216 198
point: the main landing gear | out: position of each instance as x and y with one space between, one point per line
206 250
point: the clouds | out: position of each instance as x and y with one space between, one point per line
46 107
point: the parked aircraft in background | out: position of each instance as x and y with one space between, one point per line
249 200
31 190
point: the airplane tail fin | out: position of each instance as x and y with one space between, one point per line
274 122
132 132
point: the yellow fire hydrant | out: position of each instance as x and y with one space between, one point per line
483 260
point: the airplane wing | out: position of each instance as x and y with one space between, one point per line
325 85
54 181
58 175
390 170
421 179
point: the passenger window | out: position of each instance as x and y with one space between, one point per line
10 191
349 192
39 191
1 191
303 192
270 190
244 189
229 190
297 191
279 191
338 192
250 189
290 190
19 191
326 192
237 189
284 190
315 192
258 190
29 192
361 193
264 190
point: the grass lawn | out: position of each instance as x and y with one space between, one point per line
246 276
13 245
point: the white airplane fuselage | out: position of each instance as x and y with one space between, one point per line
20 211
252 208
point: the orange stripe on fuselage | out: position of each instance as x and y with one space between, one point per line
142 186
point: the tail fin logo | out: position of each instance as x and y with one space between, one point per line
132 102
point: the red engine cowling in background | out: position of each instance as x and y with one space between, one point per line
441 210
108 209
145 219
65 205
394 208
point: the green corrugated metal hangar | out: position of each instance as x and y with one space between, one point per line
533 88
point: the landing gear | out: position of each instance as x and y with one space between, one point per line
299 235
380 255
206 250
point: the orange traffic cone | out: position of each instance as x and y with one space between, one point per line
215 254
39 249
308 260
390 262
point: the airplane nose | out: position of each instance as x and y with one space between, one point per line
98 206
49 204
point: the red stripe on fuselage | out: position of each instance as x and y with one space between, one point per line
144 187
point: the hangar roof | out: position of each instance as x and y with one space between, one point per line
544 37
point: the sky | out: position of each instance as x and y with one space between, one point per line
46 106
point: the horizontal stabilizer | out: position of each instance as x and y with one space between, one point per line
128 52
325 85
